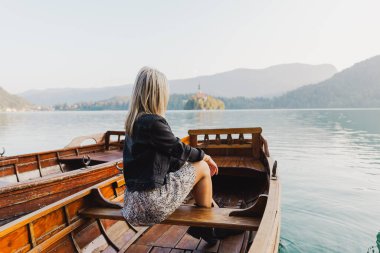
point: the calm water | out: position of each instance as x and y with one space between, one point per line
329 163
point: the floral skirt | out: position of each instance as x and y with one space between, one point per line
150 207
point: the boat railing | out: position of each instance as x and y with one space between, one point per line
247 141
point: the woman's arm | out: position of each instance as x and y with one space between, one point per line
163 139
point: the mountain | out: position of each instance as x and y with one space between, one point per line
74 95
357 86
9 102
271 81
114 103
268 82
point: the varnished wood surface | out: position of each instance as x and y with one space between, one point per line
267 237
239 162
256 130
103 157
190 216
173 238
26 167
19 199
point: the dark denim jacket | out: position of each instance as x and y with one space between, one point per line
153 151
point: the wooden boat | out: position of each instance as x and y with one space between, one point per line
31 181
247 191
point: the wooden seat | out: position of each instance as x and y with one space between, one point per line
101 157
239 162
189 216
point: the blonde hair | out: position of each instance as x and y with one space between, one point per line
150 95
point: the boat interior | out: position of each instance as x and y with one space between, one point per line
91 220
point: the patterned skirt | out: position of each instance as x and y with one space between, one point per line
145 208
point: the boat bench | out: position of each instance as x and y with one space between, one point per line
244 219
189 216
239 162
101 157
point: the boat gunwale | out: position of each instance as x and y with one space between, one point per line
53 178
103 143
267 236
9 161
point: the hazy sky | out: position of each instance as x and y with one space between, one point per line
48 44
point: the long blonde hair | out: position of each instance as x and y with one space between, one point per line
150 95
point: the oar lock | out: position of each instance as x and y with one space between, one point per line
118 165
86 159
2 152
274 170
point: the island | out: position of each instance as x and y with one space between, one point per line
201 101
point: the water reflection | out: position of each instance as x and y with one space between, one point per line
329 163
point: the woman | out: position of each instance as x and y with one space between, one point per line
160 170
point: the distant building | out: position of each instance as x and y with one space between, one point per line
200 94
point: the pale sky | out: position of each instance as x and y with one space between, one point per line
52 44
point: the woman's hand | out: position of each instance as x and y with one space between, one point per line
211 164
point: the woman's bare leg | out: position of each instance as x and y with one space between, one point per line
202 189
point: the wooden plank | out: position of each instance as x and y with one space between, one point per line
211 217
177 251
133 239
14 225
225 131
17 199
18 239
138 248
231 244
109 249
153 234
49 242
188 243
205 247
8 162
219 160
228 146
268 231
171 237
190 216
239 162
64 245
160 250
101 157
86 233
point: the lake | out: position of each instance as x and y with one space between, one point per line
329 163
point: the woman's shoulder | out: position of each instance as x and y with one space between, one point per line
148 118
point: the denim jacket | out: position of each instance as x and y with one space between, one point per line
152 152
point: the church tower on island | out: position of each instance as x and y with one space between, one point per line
200 94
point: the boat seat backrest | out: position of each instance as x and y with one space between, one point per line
231 141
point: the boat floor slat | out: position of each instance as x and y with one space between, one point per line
138 248
204 247
171 237
161 250
188 242
232 244
153 234
109 249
